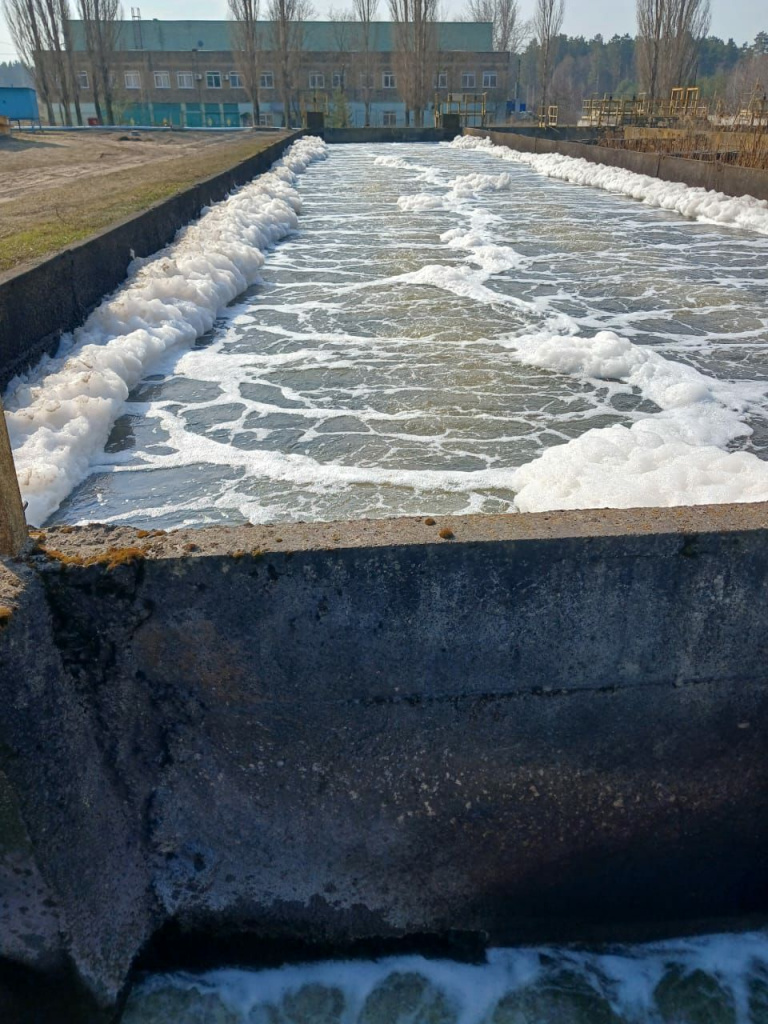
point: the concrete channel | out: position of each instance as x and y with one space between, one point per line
713 175
237 744
337 735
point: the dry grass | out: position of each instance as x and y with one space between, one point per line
740 147
57 190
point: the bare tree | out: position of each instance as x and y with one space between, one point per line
343 31
86 12
54 36
415 53
547 22
509 30
669 33
245 47
288 17
687 23
65 16
101 25
23 20
365 50
651 19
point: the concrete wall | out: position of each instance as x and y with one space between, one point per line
393 134
716 176
39 304
220 742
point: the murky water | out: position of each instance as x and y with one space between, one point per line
715 980
411 348
450 332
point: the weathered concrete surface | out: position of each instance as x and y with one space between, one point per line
13 528
38 305
539 727
712 175
389 134
562 133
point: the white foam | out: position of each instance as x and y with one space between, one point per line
59 416
474 184
391 161
475 238
673 457
694 203
419 203
625 976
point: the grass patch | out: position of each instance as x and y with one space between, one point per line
38 226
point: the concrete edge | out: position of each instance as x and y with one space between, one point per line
79 544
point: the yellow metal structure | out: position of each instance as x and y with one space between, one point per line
315 101
470 107
683 105
548 116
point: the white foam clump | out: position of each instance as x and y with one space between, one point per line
692 202
471 184
673 457
59 417
419 203
493 258
391 161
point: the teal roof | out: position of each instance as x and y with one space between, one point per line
175 36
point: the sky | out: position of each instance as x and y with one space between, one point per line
741 19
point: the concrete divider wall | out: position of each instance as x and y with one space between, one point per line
337 136
39 304
541 728
712 175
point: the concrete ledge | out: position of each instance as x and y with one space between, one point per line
712 175
338 136
39 304
510 728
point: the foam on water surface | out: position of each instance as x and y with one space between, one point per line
438 337
59 416
696 203
717 979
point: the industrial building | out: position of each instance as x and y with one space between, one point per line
184 73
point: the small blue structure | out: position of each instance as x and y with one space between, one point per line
19 104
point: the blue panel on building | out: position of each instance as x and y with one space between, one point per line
137 113
19 104
212 115
231 115
167 113
194 117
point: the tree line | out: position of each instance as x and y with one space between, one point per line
671 47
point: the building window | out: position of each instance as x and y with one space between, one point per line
213 79
185 79
388 80
235 80
468 80
265 120
489 79
82 79
338 80
389 118
366 80
442 80
162 80
266 80
316 80
132 80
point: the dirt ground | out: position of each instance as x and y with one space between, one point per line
58 188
